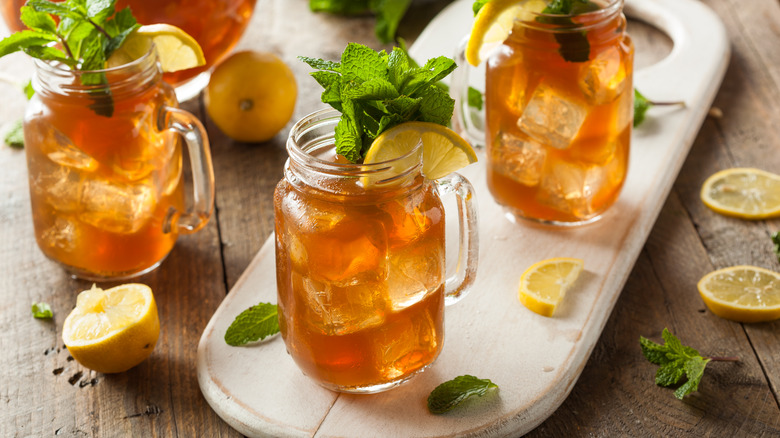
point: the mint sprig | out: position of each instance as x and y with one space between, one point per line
42 311
776 240
375 91
574 46
253 324
88 32
453 392
642 104
676 361
388 13
15 136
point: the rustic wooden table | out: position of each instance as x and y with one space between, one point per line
44 392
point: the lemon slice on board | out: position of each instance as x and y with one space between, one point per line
494 23
444 151
742 293
176 49
111 331
544 284
743 192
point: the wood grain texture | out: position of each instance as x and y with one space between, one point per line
615 395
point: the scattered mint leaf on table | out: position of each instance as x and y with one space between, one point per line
15 136
776 241
253 324
453 392
42 311
375 91
677 360
642 104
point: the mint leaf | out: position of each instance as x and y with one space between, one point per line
15 136
255 323
38 21
24 39
28 90
346 7
436 106
451 393
475 98
676 360
478 4
388 15
574 46
361 63
433 71
119 28
372 89
641 105
42 311
321 64
776 240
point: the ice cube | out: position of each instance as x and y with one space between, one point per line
59 148
406 343
412 216
60 186
551 118
413 273
346 262
604 78
339 311
570 187
145 149
518 158
117 207
63 234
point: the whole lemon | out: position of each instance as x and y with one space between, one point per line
251 96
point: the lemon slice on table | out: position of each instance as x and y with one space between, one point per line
444 151
111 331
544 284
494 23
743 192
742 293
176 49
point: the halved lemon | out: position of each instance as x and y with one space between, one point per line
743 192
494 23
176 49
544 284
742 293
444 151
111 331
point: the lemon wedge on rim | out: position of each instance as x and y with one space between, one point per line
111 331
176 49
444 151
743 192
494 23
742 293
544 284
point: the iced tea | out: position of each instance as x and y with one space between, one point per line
559 111
217 25
360 279
106 192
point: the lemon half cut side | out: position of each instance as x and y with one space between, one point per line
113 330
743 192
742 293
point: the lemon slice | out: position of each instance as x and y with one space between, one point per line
176 49
444 151
743 192
544 284
494 23
742 293
111 331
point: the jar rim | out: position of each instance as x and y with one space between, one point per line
301 155
63 70
592 18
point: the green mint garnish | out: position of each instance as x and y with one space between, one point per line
42 311
475 98
15 136
375 91
88 32
388 12
574 46
28 90
776 241
677 360
642 104
453 392
253 324
478 4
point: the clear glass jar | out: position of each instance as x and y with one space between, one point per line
360 259
105 168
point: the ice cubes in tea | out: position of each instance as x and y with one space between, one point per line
518 158
116 207
63 234
570 187
338 311
552 118
603 79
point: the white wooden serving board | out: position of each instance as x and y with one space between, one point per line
535 360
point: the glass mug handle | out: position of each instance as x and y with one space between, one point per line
195 137
463 120
457 285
